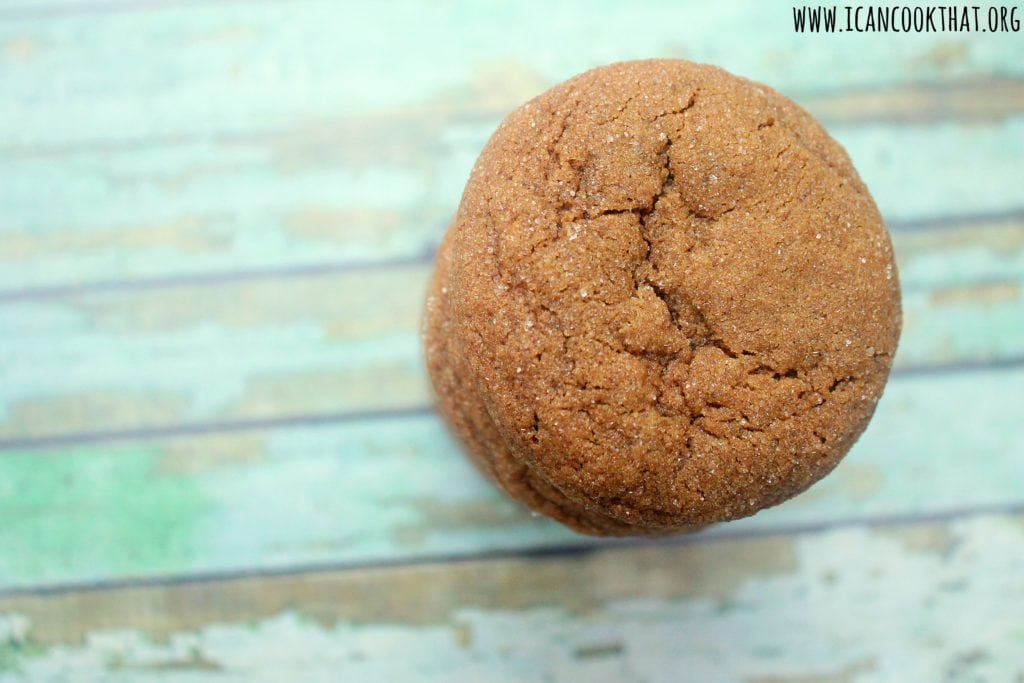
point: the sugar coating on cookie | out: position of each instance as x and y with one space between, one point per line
666 300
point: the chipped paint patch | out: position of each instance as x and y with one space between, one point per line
187 235
848 674
14 645
390 384
852 480
87 410
946 54
856 605
21 48
977 294
334 300
356 224
440 516
189 457
936 539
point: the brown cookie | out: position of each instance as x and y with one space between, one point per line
666 300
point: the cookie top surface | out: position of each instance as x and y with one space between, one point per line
672 293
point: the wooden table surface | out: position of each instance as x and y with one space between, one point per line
218 458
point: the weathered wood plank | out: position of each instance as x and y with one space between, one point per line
238 67
841 604
317 343
182 147
367 190
960 252
211 138
371 491
967 100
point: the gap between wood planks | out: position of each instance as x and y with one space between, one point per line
982 98
424 257
587 545
313 419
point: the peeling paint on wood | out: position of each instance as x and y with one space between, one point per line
845 604
397 489
137 213
217 222
346 162
316 344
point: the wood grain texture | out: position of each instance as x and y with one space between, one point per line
217 457
250 66
317 344
361 191
243 136
396 489
931 601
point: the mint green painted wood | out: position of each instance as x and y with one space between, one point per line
989 250
212 138
349 342
923 602
398 489
328 194
198 68
181 186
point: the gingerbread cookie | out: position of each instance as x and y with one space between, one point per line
666 300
